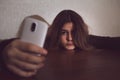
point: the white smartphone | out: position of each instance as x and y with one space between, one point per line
34 31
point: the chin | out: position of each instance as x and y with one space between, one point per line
70 48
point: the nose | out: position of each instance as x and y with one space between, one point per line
69 37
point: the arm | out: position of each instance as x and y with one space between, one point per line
104 42
4 72
0 40
19 57
3 44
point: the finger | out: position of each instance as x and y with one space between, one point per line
31 48
26 57
21 72
26 66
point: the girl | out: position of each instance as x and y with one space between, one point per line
67 32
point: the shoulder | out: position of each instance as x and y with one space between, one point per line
104 42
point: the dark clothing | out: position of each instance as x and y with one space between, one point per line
96 41
101 42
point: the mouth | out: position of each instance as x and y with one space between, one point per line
69 44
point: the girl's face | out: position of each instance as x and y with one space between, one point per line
66 36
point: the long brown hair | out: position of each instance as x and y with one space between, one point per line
80 29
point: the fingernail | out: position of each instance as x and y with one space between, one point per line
38 54
45 51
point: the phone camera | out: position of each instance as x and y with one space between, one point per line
33 27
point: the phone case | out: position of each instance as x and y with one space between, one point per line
34 31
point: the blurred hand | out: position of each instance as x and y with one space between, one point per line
24 58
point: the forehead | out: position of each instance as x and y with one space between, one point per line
68 26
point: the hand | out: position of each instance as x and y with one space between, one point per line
22 58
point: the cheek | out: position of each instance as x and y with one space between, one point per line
63 39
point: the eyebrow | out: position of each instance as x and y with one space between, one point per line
63 30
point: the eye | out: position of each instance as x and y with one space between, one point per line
63 32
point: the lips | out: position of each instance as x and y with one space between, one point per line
69 44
